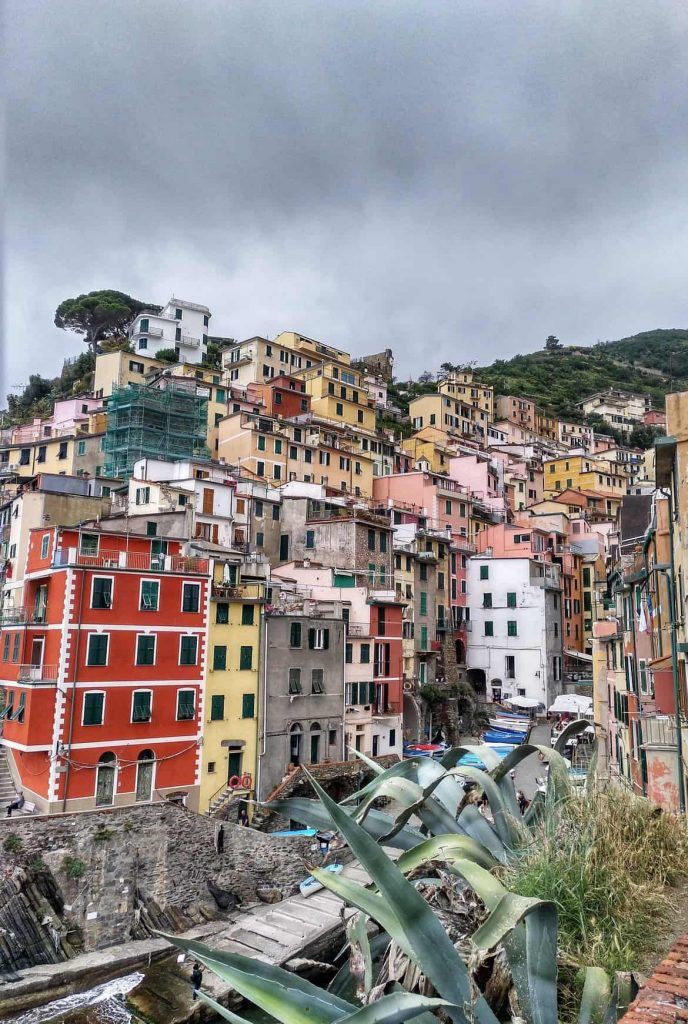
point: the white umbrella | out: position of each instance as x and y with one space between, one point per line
571 703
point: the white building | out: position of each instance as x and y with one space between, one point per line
514 644
182 326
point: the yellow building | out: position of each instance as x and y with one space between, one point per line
581 473
546 425
231 697
461 385
116 370
78 454
260 359
431 446
338 393
278 451
452 415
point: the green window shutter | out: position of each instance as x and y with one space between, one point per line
246 658
189 647
145 650
93 708
219 658
190 597
247 612
484 572
511 628
150 592
511 600
142 706
349 654
295 634
424 638
222 614
487 600
248 704
102 593
311 639
365 654
234 764
186 705
489 628
261 443
217 707
97 649
423 603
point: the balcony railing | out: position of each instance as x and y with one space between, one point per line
386 710
22 616
358 629
237 592
140 560
37 673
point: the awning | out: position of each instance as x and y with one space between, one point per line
522 702
572 703
578 655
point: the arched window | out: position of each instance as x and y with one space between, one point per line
295 736
145 769
105 779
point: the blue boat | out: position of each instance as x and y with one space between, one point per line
503 736
294 832
473 761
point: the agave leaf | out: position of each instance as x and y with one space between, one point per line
596 998
486 754
312 813
509 829
222 1011
571 730
403 791
414 926
359 947
377 768
396 1008
403 769
473 824
436 818
343 983
446 848
536 809
531 950
286 996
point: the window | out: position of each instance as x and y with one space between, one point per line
440 581
101 592
248 705
511 600
191 597
222 614
295 681
295 634
510 666
142 495
188 650
644 676
141 706
489 627
150 595
145 649
15 647
62 450
94 706
88 544
317 680
186 705
275 513
177 314
422 572
42 452
484 572
365 654
278 446
424 638
81 447
423 602
383 543
261 443
349 654
318 639
487 600
339 408
511 628
6 647
217 707
97 650
151 528
245 658
219 657
45 545
371 540
247 615
310 539
260 468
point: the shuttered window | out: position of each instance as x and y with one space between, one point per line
94 704
186 709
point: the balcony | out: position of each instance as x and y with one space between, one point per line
358 629
132 560
379 596
37 673
22 616
386 710
237 592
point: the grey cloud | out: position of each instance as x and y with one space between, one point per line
442 177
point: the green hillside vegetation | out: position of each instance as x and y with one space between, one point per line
663 350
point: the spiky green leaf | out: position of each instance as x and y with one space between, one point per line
396 1008
446 848
596 998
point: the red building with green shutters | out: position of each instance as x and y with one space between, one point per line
103 670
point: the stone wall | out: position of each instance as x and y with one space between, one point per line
123 871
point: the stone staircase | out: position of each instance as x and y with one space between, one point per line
8 790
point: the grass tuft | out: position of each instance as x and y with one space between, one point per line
609 867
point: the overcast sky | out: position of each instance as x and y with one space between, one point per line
452 180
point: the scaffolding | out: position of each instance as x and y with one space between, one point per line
167 422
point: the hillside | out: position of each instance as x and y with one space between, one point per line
558 379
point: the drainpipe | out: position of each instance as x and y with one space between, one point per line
264 696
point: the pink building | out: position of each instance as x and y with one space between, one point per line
483 477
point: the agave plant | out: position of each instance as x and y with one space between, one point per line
416 948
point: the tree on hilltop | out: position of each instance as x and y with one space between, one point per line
552 343
98 315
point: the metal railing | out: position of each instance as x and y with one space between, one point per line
38 673
358 629
20 616
140 560
237 591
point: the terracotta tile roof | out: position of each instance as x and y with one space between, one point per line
664 998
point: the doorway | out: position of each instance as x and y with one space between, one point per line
105 779
145 766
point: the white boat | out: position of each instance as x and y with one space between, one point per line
513 725
311 884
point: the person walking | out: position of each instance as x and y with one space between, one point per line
16 804
196 979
